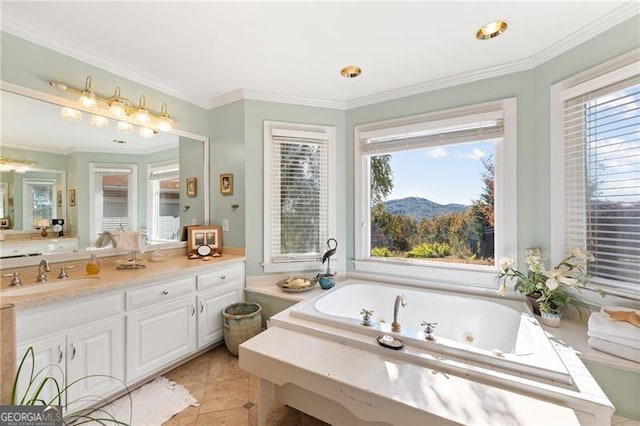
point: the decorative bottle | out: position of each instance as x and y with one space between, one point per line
93 266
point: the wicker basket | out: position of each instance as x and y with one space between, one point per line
242 321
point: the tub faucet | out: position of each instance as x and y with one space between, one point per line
42 268
395 325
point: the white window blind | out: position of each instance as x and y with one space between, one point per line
602 180
486 126
114 198
39 201
299 197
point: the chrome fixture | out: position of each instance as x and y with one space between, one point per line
351 71
42 268
395 325
63 271
15 279
491 30
429 328
366 319
118 108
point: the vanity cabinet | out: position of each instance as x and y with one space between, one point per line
37 246
73 342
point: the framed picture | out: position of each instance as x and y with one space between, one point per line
59 198
192 186
226 183
72 197
5 223
203 236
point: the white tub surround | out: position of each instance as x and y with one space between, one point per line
320 360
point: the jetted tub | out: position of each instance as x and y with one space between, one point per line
469 328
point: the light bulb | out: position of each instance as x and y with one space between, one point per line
164 124
87 100
142 116
146 132
125 127
117 109
70 114
99 121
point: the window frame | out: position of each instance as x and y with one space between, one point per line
600 76
505 199
132 193
300 129
27 205
153 201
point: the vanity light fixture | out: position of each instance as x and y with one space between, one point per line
351 71
146 132
491 30
18 166
125 127
99 121
70 114
115 107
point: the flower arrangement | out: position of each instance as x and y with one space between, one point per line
547 286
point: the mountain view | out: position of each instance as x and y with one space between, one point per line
420 208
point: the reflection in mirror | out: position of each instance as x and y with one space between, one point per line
94 179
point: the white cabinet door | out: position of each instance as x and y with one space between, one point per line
95 363
48 361
210 306
159 335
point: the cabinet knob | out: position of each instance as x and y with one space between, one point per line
224 277
165 292
193 310
59 354
201 307
73 350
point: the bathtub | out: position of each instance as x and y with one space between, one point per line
473 329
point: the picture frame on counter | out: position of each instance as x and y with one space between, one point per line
203 240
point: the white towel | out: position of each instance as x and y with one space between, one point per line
616 349
599 322
620 340
130 241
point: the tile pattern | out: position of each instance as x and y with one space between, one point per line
227 395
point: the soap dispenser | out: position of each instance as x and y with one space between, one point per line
93 266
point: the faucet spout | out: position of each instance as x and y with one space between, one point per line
400 301
42 268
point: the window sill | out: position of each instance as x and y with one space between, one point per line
293 267
458 274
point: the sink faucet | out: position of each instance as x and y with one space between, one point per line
395 325
42 268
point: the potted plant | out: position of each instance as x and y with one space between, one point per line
546 290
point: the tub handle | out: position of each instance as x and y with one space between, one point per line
366 316
429 328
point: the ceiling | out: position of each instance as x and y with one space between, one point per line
210 52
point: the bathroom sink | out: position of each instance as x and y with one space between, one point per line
50 286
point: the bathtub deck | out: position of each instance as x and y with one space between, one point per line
342 384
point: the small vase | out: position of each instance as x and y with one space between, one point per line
552 319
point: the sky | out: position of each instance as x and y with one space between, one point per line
444 174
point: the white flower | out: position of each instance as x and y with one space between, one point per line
559 277
579 254
506 263
534 260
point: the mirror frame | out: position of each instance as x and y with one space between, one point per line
84 253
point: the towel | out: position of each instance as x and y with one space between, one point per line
620 340
616 349
130 241
600 323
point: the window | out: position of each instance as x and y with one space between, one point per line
164 202
299 213
433 193
113 198
39 201
597 158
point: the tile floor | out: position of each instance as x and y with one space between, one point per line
227 396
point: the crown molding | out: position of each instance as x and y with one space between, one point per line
227 98
615 17
40 39
257 95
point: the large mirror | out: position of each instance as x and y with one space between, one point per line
92 178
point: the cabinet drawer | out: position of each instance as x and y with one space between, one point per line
221 276
160 292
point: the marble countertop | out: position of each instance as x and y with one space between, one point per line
108 279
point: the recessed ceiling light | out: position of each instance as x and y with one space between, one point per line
491 30
351 71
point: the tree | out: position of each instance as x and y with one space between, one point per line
381 178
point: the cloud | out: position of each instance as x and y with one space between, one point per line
477 154
437 152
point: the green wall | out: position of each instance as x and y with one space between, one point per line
256 112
